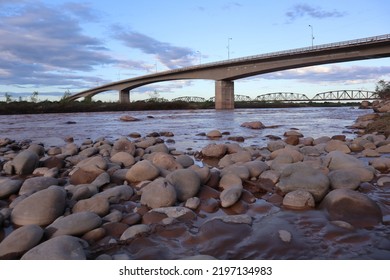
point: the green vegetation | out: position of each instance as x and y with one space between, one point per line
383 89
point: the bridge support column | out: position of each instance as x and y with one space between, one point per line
124 96
224 95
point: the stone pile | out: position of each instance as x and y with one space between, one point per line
64 202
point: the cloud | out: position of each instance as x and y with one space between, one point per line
167 54
231 6
42 45
303 10
331 74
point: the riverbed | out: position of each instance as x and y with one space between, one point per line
186 125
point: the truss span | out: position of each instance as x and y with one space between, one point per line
190 99
282 96
344 95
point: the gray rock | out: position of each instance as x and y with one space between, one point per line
35 184
135 230
9 186
20 241
158 148
25 162
63 247
117 193
240 170
303 176
214 134
88 152
75 224
229 181
159 193
256 167
352 207
253 125
40 208
185 160
142 171
344 179
203 172
101 180
186 183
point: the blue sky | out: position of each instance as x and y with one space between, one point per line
55 46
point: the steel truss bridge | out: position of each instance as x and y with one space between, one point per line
335 95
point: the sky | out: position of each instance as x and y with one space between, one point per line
54 46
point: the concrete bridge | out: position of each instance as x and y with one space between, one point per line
225 72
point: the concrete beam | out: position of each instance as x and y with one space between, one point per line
224 95
124 96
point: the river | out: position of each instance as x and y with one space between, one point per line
186 125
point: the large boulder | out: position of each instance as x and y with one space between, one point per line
123 145
62 247
20 241
303 176
352 207
344 179
164 161
75 224
35 184
88 170
299 199
186 183
25 162
40 208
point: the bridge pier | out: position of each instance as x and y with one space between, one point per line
124 96
224 95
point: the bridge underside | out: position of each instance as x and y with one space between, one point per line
225 72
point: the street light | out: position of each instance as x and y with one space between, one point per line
228 47
312 36
200 56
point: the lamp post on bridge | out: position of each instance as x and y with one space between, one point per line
228 47
312 35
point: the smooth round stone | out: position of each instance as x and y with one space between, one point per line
337 145
9 186
230 196
214 150
40 208
25 162
35 184
214 134
230 180
253 125
352 207
232 219
256 167
134 231
301 175
74 224
142 171
117 193
186 183
185 160
20 241
165 161
174 212
123 158
123 145
344 179
95 204
240 170
159 193
204 172
299 199
62 247
192 203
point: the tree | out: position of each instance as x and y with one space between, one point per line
383 89
34 97
8 97
67 94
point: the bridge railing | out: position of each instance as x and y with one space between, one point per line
288 52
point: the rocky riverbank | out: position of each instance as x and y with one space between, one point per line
134 198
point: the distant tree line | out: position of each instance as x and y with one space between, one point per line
383 89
